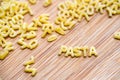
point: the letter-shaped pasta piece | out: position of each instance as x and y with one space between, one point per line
31 61
48 26
32 1
110 11
12 33
31 34
85 50
117 35
71 25
60 31
90 10
37 23
61 7
63 49
3 54
31 27
5 31
2 41
2 12
33 44
52 38
69 52
28 69
9 46
63 27
47 31
77 51
92 52
47 3
100 7
30 11
83 14
22 43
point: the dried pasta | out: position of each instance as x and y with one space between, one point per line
47 3
28 69
33 44
32 1
31 61
117 35
52 38
3 54
92 51
60 31
77 51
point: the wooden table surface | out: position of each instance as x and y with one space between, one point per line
98 32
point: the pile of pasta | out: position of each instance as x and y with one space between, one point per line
28 68
77 51
11 23
71 12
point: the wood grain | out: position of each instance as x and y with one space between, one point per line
98 32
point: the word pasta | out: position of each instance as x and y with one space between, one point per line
78 51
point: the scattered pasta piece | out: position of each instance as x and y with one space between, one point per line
31 61
63 49
47 3
60 31
28 69
84 49
3 54
92 52
117 35
52 38
31 35
32 1
22 43
33 44
77 52
69 52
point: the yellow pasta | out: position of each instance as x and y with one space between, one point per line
111 11
22 43
5 31
47 3
31 34
31 27
12 33
117 35
3 54
2 41
28 69
92 52
63 26
31 61
85 50
2 12
37 23
9 46
47 31
100 7
63 49
69 52
52 38
48 26
60 31
77 52
33 44
90 10
32 1
61 6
